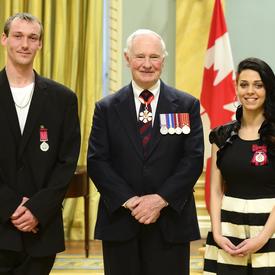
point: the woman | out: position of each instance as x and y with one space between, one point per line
242 203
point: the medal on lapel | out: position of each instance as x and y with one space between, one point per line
260 157
146 115
185 123
177 124
174 123
163 124
44 146
171 124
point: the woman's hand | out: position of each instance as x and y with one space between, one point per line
250 245
225 244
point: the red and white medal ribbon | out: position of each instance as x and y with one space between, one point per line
44 146
146 115
260 157
178 130
185 123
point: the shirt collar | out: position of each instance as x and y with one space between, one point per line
138 90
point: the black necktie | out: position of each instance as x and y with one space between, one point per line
145 125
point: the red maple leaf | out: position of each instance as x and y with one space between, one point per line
214 98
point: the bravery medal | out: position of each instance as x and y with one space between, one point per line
44 146
260 157
163 124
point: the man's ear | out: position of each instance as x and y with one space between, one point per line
40 44
127 58
4 39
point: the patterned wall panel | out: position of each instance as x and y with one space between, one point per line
116 51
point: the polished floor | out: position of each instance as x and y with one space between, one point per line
77 248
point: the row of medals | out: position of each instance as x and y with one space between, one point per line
146 116
178 130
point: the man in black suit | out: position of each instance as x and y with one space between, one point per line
39 147
145 155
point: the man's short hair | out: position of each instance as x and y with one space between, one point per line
22 16
138 32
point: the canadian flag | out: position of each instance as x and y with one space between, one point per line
218 91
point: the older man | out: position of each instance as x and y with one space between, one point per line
145 155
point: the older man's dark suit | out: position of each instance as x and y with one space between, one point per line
25 170
119 170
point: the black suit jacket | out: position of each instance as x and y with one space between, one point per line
26 170
119 170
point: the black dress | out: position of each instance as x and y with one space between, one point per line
249 197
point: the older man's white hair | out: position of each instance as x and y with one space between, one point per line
129 41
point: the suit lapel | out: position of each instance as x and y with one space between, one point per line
126 111
7 104
36 107
167 103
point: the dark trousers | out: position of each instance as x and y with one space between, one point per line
146 254
19 263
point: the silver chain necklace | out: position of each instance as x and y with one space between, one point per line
28 101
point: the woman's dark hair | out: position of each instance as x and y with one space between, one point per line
267 130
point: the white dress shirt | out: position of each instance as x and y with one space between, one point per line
22 98
154 90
